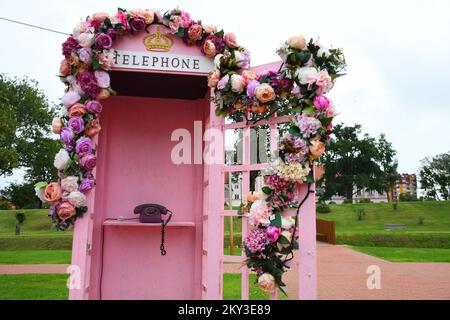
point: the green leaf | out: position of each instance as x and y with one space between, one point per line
96 65
283 240
266 190
41 184
277 220
220 33
295 131
180 33
309 110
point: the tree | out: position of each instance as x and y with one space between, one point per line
40 159
22 195
435 176
354 162
25 116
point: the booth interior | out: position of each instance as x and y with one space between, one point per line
135 167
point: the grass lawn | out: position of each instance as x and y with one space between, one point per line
35 256
407 254
33 287
232 288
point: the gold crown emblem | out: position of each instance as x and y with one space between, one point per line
158 41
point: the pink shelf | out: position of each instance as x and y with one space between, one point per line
119 223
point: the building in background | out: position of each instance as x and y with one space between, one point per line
406 184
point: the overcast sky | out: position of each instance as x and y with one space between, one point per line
398 55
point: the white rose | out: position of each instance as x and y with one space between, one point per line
217 60
69 184
237 83
70 98
302 74
40 193
79 28
77 199
86 40
266 282
61 159
287 222
323 51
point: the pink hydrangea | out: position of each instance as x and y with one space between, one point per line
256 241
308 125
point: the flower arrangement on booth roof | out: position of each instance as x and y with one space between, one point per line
298 89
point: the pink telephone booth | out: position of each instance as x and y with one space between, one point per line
162 87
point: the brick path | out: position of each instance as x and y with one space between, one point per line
341 275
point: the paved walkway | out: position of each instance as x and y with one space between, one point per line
341 275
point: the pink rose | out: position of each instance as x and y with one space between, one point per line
260 214
213 78
123 19
148 16
65 210
209 48
195 32
103 80
77 110
56 125
330 112
53 192
175 23
273 233
230 40
323 82
223 82
237 83
210 29
249 75
321 102
100 16
106 60
186 19
64 68
88 161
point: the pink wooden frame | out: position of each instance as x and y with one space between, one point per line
212 220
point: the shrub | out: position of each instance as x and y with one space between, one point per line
410 240
365 200
331 202
20 217
347 201
323 208
395 205
5 205
406 197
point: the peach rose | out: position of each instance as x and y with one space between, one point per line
56 125
74 60
297 42
148 16
103 95
230 40
100 16
65 210
265 93
210 28
213 78
239 106
317 148
195 32
64 68
266 282
52 192
259 109
77 110
92 128
249 75
253 196
209 49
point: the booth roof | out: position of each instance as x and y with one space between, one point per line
159 85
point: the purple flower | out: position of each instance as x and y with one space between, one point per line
256 240
88 161
84 146
242 59
276 182
94 107
88 83
251 88
85 55
103 41
68 147
223 82
86 185
76 124
66 135
112 33
69 46
137 24
219 43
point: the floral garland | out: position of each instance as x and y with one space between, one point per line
307 73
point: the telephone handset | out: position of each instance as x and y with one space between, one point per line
153 213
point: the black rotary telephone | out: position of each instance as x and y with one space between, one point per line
153 213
